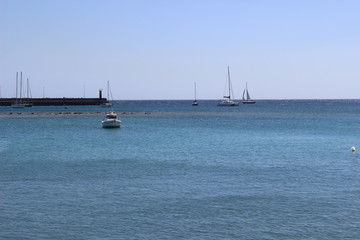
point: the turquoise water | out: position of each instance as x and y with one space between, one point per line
273 170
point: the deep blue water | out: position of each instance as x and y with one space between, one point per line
278 169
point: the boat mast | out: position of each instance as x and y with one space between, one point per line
195 90
229 81
20 86
27 88
16 94
108 90
247 93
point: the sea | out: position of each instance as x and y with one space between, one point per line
277 169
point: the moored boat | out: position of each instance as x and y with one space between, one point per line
18 105
227 102
18 102
111 120
107 104
246 97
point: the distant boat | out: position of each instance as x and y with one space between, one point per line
107 104
195 103
19 105
28 104
18 100
246 97
227 102
111 120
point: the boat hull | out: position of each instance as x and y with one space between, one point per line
115 123
106 105
18 105
228 104
248 102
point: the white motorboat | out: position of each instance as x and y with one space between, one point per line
111 120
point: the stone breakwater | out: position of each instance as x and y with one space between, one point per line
77 114
55 101
62 114
16 114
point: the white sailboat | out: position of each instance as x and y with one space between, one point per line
18 101
107 104
111 119
246 96
227 102
195 103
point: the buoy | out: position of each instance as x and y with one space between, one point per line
353 149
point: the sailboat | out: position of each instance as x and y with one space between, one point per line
227 102
111 120
28 92
246 97
195 103
107 104
18 101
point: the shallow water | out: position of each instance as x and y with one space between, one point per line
273 170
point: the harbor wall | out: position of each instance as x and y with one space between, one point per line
54 101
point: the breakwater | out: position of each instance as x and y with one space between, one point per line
54 101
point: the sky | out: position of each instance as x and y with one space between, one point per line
157 49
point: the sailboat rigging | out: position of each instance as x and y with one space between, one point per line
107 104
18 101
227 102
111 119
28 94
195 103
246 96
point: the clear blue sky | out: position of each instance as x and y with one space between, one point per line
291 49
